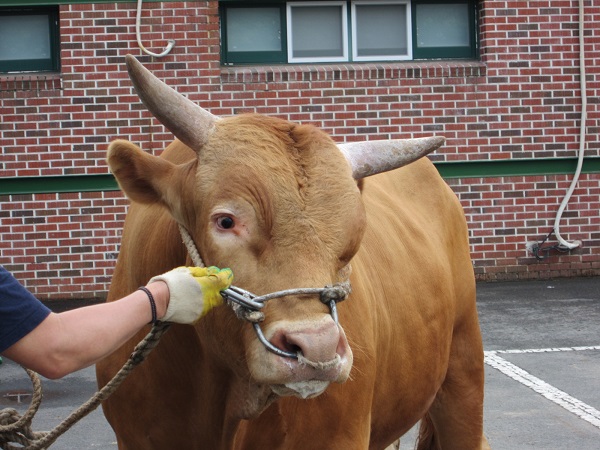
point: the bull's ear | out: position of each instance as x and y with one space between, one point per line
372 157
142 177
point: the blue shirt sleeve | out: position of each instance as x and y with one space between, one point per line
20 311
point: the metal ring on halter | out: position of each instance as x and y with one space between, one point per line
242 298
271 347
333 310
329 295
278 351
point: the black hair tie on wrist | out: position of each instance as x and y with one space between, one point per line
152 303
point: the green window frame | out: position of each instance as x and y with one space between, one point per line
468 50
48 64
230 57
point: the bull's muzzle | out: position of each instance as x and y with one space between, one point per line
247 306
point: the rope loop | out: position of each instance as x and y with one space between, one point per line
16 429
336 292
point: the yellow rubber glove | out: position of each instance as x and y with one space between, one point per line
194 291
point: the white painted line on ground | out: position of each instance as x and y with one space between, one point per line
582 410
549 350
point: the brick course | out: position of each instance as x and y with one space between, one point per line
521 100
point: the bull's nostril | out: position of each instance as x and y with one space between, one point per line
292 348
320 342
281 341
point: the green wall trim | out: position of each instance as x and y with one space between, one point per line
57 184
515 167
454 169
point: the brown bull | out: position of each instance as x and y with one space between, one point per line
280 204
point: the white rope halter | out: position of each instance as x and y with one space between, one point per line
247 306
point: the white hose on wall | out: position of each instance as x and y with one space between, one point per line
138 35
563 243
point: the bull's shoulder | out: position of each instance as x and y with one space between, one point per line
417 185
417 237
413 207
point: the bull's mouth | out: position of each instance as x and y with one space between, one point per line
323 357
294 377
301 389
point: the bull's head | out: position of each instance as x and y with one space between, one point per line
279 204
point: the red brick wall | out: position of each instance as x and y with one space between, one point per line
62 245
522 100
504 214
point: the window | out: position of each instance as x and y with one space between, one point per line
253 34
338 31
29 39
444 29
317 32
381 31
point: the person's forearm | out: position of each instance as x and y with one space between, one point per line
92 333
75 339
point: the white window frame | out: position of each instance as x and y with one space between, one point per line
406 57
343 58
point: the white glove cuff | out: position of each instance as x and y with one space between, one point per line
185 296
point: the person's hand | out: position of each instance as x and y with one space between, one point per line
194 291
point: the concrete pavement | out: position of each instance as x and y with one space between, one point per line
542 342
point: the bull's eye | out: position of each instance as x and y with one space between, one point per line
225 222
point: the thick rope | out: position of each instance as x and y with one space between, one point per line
191 247
17 429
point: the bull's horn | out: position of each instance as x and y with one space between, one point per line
372 157
190 123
